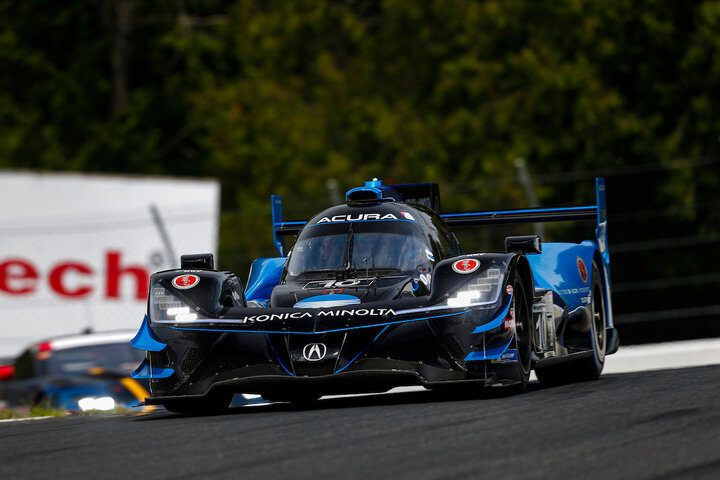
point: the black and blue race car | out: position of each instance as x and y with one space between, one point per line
376 293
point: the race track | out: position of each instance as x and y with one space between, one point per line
647 425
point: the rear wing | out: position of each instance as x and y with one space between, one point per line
597 212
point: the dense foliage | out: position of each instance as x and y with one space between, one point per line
279 96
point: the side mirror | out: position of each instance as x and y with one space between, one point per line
525 243
200 261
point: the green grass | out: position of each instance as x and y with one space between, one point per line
45 410
40 410
6 413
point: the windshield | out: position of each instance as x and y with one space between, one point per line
111 356
397 247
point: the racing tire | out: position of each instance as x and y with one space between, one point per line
588 368
211 404
523 334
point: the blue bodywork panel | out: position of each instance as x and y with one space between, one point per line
490 354
145 340
265 274
497 320
557 269
147 372
329 300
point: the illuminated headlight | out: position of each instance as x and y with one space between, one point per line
484 289
181 313
165 306
100 403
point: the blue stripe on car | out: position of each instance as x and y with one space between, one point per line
491 354
495 322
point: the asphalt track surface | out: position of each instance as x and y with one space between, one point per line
648 425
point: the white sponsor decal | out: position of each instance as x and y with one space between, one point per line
362 312
314 351
337 286
574 291
352 282
360 217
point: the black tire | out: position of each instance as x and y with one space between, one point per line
591 367
523 333
209 405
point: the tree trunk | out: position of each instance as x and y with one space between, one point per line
123 19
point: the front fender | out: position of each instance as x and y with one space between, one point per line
493 270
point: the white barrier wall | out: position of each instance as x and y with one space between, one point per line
76 251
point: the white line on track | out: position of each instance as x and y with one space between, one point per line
664 356
25 419
636 358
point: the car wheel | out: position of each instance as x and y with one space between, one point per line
523 333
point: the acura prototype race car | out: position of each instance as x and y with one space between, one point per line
374 294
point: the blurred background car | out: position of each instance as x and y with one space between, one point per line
77 373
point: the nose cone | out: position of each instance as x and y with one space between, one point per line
312 355
326 301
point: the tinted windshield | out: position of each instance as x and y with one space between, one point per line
397 246
111 356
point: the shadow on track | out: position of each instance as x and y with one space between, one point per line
364 400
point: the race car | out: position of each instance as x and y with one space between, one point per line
90 371
374 294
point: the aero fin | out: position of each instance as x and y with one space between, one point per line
147 372
491 354
145 340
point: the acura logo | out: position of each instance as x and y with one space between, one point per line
314 351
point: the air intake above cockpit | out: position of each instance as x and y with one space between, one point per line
425 194
372 192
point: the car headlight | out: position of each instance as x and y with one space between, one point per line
99 403
166 306
483 290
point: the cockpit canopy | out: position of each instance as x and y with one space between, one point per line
383 247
